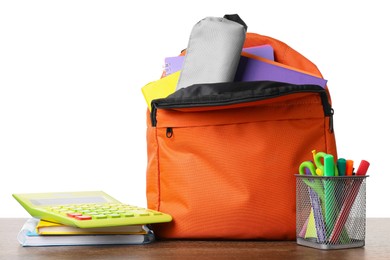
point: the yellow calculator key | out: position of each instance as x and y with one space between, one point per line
87 209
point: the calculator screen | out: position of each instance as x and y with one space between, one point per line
61 201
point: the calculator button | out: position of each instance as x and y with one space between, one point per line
100 216
54 208
83 217
104 212
73 214
59 210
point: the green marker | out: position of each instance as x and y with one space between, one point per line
329 187
342 166
329 165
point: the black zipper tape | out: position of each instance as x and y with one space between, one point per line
222 94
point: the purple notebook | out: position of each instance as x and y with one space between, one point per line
173 64
256 70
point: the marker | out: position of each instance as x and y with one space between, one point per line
329 187
352 192
349 168
342 165
329 165
363 167
336 170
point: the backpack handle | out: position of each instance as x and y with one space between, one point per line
236 18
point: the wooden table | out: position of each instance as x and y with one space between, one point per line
377 247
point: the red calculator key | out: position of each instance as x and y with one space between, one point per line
73 214
83 217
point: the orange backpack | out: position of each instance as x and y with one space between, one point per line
222 156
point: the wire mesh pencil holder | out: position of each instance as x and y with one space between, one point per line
331 211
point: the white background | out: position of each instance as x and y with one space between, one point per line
72 115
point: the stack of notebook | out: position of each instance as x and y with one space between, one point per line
84 218
36 232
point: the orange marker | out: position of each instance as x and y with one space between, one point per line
349 168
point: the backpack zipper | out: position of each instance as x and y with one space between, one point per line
180 102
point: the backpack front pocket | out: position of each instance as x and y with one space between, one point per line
226 169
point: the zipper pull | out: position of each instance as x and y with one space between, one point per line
153 114
169 132
331 120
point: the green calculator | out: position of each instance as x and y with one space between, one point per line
87 209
